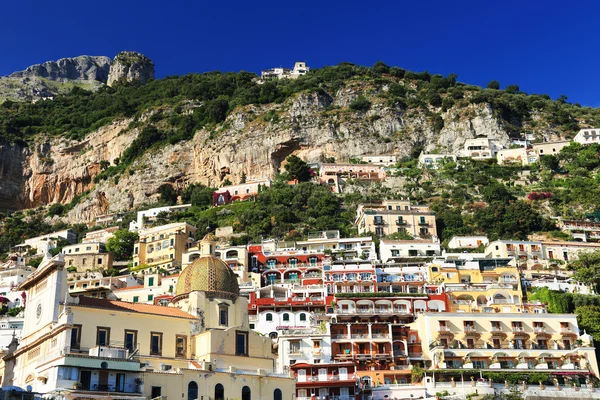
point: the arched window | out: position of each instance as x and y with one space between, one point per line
246 394
302 317
286 317
269 317
219 392
277 395
192 391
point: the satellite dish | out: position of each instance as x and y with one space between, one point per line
29 388
104 365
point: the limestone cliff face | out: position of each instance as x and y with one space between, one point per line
78 68
130 66
309 125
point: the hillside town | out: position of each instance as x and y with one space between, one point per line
393 312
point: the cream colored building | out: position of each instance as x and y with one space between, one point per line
101 235
393 216
394 249
385 160
163 246
519 155
199 347
467 242
505 341
550 148
434 160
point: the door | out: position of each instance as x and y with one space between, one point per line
343 373
301 375
322 374
120 386
344 393
323 393
85 379
103 380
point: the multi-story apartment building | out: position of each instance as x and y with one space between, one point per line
391 216
163 246
566 251
242 191
398 249
339 247
525 252
481 148
588 136
95 284
506 341
474 283
583 230
89 256
155 289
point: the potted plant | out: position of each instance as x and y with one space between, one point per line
77 385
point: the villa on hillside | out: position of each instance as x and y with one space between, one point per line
588 136
299 69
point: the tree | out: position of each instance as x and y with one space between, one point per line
493 85
296 168
588 318
512 89
121 244
381 68
167 194
587 268
56 209
496 192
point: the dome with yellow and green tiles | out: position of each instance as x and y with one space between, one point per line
208 274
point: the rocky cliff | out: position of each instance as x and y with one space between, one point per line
58 170
130 66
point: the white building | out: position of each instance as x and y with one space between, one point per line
467 242
40 243
300 68
566 285
101 235
481 148
155 289
385 160
242 191
588 136
343 248
393 249
152 213
434 160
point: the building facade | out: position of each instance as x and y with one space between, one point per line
392 216
163 246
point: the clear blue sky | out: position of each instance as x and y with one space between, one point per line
548 46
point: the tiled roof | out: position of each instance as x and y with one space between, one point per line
125 306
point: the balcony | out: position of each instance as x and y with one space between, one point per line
424 223
444 328
378 222
339 336
539 329
360 336
401 222
518 329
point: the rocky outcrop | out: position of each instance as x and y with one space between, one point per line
130 66
85 68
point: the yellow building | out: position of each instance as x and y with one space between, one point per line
199 347
393 216
479 284
163 246
527 342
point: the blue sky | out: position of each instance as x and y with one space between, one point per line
548 46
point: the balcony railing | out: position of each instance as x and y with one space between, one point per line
518 329
470 328
539 329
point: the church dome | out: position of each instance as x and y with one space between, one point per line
208 274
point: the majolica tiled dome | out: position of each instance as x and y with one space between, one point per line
208 274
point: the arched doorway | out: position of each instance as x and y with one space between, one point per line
277 395
246 394
219 392
192 391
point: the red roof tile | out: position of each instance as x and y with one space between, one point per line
130 287
125 306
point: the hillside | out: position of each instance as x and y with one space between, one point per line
119 144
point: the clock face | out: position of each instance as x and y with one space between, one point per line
38 311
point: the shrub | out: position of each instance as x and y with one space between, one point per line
360 104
